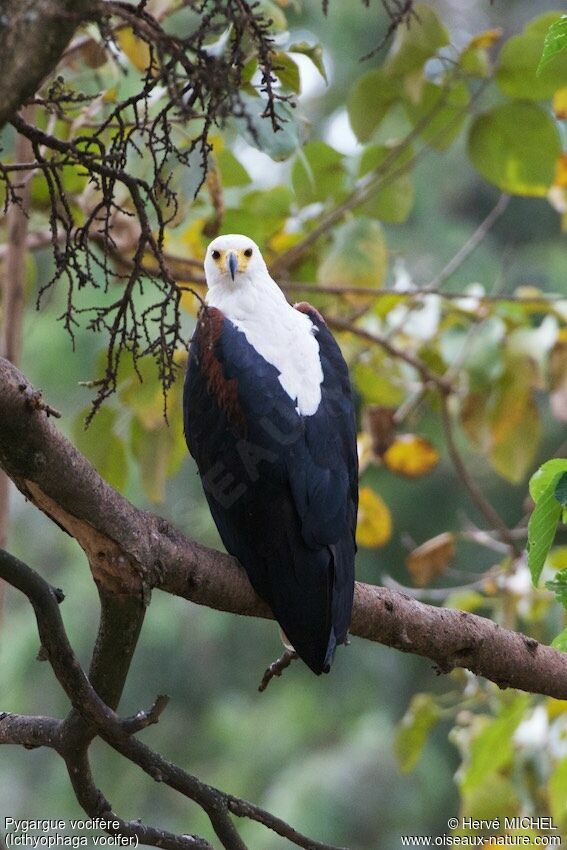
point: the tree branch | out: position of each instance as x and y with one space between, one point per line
33 35
30 731
419 365
383 175
132 551
118 733
470 245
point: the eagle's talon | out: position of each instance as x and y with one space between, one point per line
277 667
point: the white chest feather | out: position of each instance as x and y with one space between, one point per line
282 335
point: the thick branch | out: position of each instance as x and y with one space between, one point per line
118 733
96 805
132 550
33 36
13 283
29 731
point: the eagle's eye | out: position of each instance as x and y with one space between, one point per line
248 252
215 255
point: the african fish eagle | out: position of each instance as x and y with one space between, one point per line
269 419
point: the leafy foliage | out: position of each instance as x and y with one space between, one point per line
555 42
547 490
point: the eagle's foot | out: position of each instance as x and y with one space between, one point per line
277 668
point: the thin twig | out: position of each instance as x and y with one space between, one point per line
469 246
374 181
427 375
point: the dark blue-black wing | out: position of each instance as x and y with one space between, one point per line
282 488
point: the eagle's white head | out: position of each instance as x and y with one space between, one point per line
240 286
233 260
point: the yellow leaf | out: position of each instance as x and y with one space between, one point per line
410 455
557 558
217 143
281 241
189 301
504 423
192 238
431 559
558 378
374 527
561 168
555 707
413 84
513 453
559 104
528 293
486 39
509 414
137 51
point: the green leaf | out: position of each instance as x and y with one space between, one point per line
475 60
102 446
260 214
561 490
415 44
394 200
475 63
449 108
249 70
560 641
375 383
318 173
546 476
558 586
522 163
414 728
159 451
492 748
487 801
256 128
231 169
358 255
286 71
140 390
521 71
313 52
483 362
369 100
541 531
272 12
555 42
557 791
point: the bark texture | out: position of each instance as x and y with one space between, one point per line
33 35
132 551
